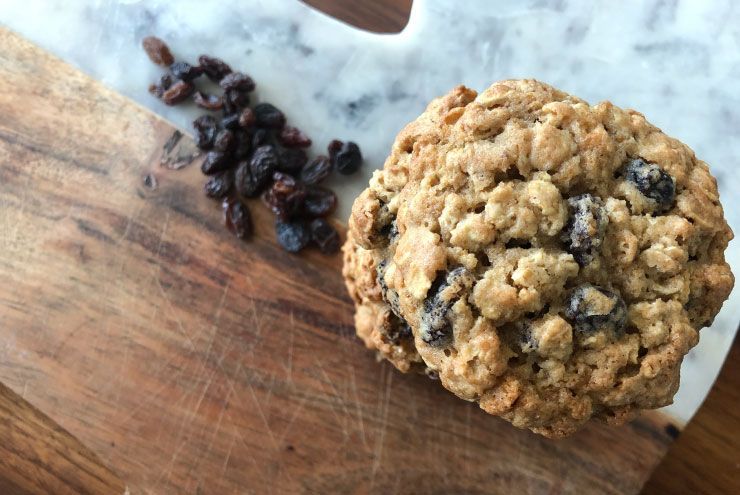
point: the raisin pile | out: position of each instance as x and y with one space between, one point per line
250 151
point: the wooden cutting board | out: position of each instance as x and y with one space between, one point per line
191 362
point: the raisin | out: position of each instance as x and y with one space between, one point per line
185 72
292 236
348 159
214 68
150 181
397 329
230 121
178 92
652 181
155 90
158 51
237 218
217 186
246 118
334 146
216 161
261 137
236 100
247 185
325 236
389 295
224 141
319 202
253 175
393 232
205 131
316 171
292 160
237 81
404 331
264 160
293 138
229 108
209 102
436 328
268 115
285 196
243 144
390 230
584 232
163 85
381 228
590 309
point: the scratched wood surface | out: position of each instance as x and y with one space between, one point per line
38 456
191 362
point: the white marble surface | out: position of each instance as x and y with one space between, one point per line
677 61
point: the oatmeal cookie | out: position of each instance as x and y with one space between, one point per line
551 260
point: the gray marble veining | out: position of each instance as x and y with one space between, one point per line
677 61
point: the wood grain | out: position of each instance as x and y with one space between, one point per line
191 362
37 456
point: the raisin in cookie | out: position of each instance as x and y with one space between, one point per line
551 260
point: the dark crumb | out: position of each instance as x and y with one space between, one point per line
150 181
672 431
431 374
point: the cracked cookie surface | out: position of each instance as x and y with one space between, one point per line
549 259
